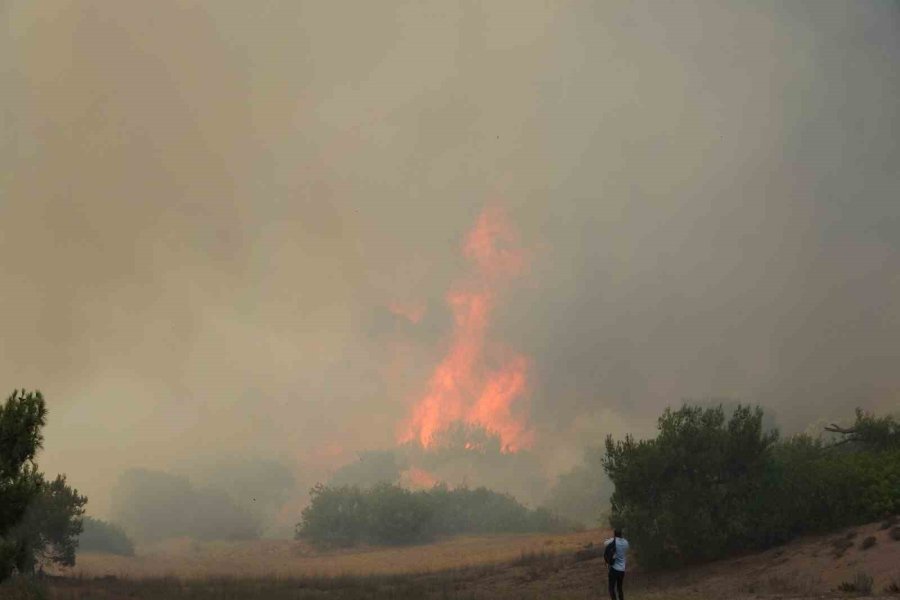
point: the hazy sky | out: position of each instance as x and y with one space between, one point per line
208 209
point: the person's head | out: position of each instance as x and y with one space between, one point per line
617 533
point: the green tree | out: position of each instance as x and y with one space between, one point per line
869 431
682 495
49 530
22 417
708 486
334 517
39 520
397 515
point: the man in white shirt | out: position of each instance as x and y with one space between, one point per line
617 566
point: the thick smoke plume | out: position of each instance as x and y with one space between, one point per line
229 228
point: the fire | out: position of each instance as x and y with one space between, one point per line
462 386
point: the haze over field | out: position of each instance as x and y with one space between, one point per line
233 232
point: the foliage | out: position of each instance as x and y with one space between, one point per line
153 505
870 432
102 536
678 494
708 486
49 530
862 583
390 514
39 520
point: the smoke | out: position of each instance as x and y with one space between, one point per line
230 230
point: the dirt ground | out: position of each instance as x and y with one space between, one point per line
525 566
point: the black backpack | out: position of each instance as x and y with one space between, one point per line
609 553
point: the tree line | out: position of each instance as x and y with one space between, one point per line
385 513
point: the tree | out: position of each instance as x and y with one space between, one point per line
708 486
101 536
686 496
39 520
21 418
878 433
49 530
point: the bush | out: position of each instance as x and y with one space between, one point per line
390 514
868 542
706 487
100 536
895 534
862 583
693 493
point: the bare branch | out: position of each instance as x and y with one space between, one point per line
834 428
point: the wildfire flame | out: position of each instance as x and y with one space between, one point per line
462 387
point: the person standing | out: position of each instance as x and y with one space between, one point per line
615 559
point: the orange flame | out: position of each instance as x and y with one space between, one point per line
461 387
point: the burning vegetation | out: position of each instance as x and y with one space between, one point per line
478 383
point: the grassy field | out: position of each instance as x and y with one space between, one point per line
286 558
526 567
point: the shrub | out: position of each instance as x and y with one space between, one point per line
100 536
397 515
861 583
694 492
708 486
895 534
892 588
868 542
841 545
390 514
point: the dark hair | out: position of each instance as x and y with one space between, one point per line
617 533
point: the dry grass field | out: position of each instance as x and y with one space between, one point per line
187 559
506 567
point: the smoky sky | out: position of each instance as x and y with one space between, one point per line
208 209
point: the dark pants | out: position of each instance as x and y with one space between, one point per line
616 578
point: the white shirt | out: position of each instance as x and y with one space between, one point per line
621 551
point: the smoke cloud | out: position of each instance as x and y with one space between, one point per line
229 229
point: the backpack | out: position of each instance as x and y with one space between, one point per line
609 553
